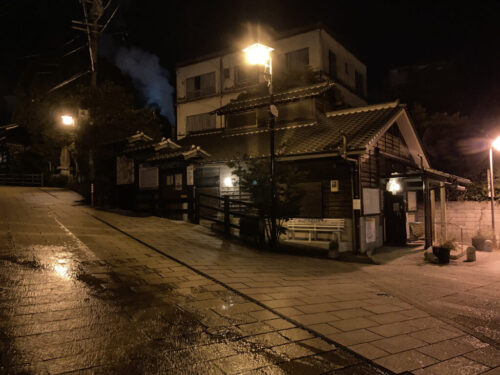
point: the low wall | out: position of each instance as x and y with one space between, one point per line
467 219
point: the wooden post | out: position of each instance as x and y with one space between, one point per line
433 212
196 207
427 212
442 198
227 219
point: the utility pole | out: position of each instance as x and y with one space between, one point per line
93 11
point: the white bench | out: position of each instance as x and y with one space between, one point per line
312 227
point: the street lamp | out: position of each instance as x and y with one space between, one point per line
68 120
259 54
494 145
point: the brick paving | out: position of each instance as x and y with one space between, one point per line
77 296
335 300
277 304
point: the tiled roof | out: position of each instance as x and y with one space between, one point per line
359 125
280 97
185 152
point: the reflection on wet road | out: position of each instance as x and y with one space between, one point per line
77 296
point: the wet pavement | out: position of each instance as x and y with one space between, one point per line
77 296
397 314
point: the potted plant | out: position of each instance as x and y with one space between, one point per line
443 251
478 241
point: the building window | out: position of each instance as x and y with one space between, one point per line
226 73
244 75
297 59
201 122
332 64
200 85
359 83
347 68
241 120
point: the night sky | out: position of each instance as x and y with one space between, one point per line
384 34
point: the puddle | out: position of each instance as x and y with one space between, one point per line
33 264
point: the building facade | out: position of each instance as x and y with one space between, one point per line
208 83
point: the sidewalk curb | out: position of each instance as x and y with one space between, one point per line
380 370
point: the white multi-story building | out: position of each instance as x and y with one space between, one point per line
210 82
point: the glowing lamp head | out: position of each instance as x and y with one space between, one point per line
68 120
496 144
228 182
258 54
393 186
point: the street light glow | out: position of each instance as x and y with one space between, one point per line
68 120
496 144
258 54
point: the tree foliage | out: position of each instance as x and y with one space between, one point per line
451 141
112 116
254 178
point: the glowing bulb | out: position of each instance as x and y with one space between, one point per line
228 182
68 120
258 54
393 186
496 144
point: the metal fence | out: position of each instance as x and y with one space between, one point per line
31 179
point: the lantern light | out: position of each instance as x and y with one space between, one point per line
228 182
258 54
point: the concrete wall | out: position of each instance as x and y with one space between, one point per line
344 57
467 218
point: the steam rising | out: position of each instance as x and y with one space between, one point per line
149 77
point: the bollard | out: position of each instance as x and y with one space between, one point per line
488 245
333 248
471 254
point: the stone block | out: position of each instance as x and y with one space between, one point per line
430 257
471 254
488 245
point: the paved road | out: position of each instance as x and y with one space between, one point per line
398 314
77 296
462 293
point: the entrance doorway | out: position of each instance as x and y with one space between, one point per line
395 219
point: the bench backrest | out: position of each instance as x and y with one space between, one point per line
325 223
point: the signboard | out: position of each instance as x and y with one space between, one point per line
371 201
124 170
370 230
148 178
190 175
356 204
178 181
412 201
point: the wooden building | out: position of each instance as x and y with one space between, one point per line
364 165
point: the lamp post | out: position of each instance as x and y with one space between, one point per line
69 120
259 54
494 145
